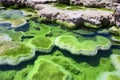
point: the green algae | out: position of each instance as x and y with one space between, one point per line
52 70
14 17
13 53
14 49
83 32
7 75
78 70
22 74
36 29
66 24
78 7
89 25
16 36
43 44
82 45
2 28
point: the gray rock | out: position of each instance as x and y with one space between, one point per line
110 4
117 16
75 17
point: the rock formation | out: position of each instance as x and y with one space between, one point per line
117 16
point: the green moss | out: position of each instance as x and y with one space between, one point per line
89 25
43 44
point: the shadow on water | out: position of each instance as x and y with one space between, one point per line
91 60
25 63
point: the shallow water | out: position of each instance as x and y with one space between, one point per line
87 67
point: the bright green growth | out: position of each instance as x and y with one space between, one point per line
7 75
115 60
13 53
36 29
13 17
16 36
109 76
81 45
47 70
43 44
22 74
69 25
89 25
